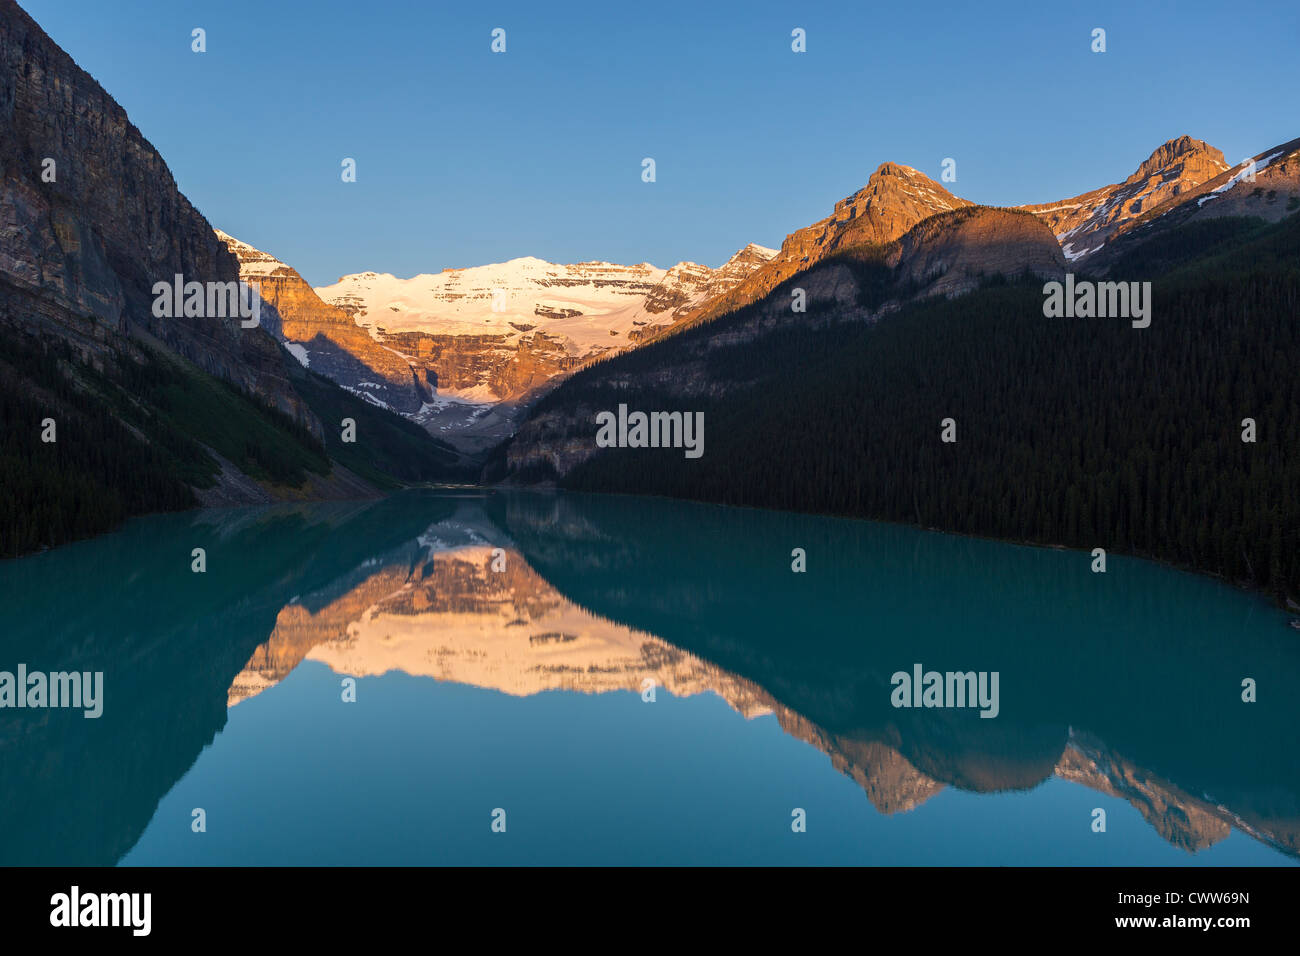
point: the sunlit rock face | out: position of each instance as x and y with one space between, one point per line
895 198
462 351
1085 223
324 338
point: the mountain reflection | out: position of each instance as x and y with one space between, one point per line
450 617
1125 683
447 615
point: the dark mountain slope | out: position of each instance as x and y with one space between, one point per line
1080 432
80 253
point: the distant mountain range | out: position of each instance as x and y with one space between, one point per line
464 352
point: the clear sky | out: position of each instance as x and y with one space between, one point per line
466 157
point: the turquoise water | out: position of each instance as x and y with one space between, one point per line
505 649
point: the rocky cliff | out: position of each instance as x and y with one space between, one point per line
325 338
1265 187
90 219
151 404
951 253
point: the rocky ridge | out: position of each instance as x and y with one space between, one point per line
895 199
325 338
1084 224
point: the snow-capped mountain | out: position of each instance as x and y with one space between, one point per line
486 340
462 351
588 308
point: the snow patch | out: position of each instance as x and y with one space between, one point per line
1237 178
298 352
360 393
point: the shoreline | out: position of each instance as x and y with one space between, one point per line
1285 604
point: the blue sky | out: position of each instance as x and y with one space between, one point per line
466 157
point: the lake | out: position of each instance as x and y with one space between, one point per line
491 677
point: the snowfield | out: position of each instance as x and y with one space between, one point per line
592 305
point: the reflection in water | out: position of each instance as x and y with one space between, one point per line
1147 660
1124 683
452 618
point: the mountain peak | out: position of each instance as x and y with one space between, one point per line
1183 151
253 262
895 187
895 169
895 198
1087 222
752 253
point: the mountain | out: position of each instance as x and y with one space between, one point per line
80 252
897 198
1083 432
325 338
462 352
855 266
112 407
483 340
586 309
467 352
1268 192
1172 186
1269 189
894 200
1085 223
